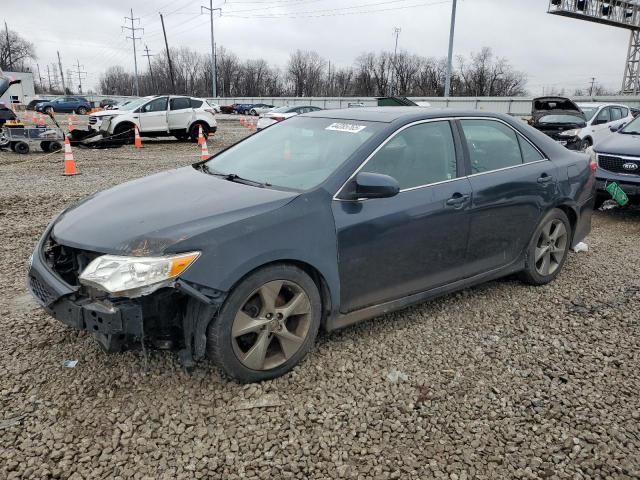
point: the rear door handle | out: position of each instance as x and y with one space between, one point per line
545 178
457 200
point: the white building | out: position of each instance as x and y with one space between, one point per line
20 92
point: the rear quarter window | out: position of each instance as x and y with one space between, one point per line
196 103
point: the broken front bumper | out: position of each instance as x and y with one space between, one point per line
178 316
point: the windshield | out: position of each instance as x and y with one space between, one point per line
589 112
633 127
299 153
570 119
133 104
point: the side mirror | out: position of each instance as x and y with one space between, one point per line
614 128
372 185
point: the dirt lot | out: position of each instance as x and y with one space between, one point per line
503 381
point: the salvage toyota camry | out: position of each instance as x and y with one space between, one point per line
320 221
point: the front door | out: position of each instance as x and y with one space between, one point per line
180 113
392 247
601 125
513 185
153 116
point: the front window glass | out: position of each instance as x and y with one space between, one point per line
571 119
492 145
419 155
604 116
633 127
157 105
589 112
299 153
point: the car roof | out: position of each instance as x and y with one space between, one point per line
391 114
598 104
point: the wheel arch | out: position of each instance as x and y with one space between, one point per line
313 272
572 215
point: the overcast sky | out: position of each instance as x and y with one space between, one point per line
553 51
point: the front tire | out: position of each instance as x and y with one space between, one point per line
82 111
586 143
548 248
267 325
124 132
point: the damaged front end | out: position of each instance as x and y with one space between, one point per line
83 290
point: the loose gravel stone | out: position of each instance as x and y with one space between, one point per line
502 381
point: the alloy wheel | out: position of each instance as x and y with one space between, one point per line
272 325
551 247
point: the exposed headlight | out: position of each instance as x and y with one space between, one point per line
135 276
570 133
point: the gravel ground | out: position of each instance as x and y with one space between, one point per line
500 381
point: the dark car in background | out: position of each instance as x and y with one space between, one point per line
559 118
108 103
32 104
80 105
618 158
6 114
242 108
228 108
323 220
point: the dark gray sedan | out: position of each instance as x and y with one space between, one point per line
323 220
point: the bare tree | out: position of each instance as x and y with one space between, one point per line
305 73
485 75
15 52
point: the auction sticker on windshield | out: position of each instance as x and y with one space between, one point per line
346 127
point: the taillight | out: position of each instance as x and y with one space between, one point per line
277 119
593 160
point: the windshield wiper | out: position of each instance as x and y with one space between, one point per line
631 132
232 177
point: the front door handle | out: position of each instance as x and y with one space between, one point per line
457 200
544 178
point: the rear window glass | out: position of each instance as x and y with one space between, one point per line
560 119
196 103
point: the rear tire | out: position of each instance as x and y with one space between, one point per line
548 248
21 148
267 325
45 146
55 146
82 111
193 131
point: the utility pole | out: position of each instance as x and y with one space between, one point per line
133 38
392 86
6 29
49 77
593 82
40 77
447 84
80 73
166 43
213 47
64 88
149 55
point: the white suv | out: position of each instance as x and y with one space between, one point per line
602 119
158 116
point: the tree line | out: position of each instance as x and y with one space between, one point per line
307 74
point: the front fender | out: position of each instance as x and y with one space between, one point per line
301 231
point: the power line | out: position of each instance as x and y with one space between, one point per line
133 39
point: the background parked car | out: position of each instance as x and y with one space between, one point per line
32 104
282 113
258 108
80 105
228 108
108 103
214 106
243 108
157 116
600 118
6 114
618 158
559 118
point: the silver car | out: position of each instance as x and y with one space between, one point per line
282 113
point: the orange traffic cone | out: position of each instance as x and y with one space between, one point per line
200 135
69 162
204 151
70 125
41 121
137 140
254 125
242 121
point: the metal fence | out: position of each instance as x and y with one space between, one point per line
517 106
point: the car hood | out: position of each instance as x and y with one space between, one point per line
150 215
554 105
620 144
107 113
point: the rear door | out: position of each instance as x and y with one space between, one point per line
180 113
513 185
392 247
153 115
